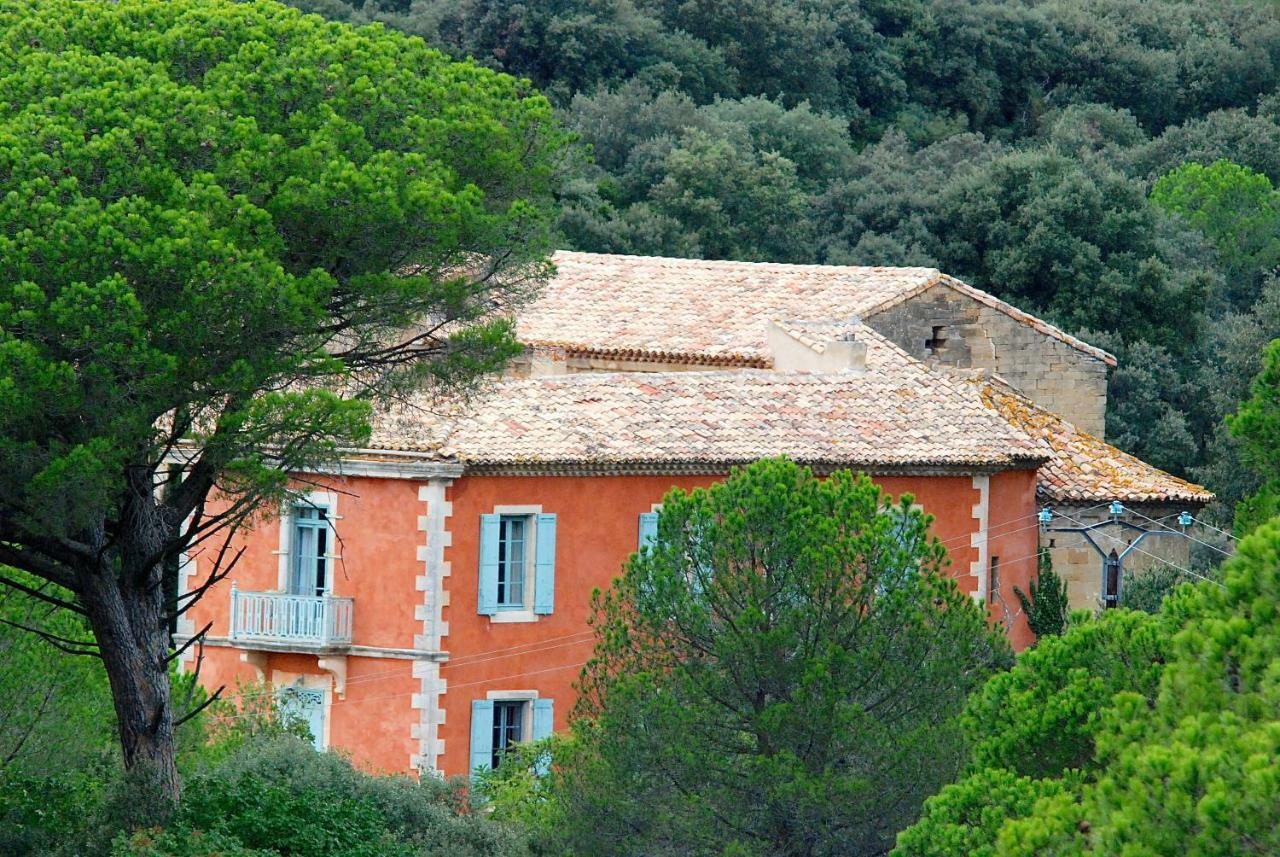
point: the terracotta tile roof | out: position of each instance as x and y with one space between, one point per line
1084 468
1081 467
642 422
689 310
900 413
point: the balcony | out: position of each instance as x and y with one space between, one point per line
278 622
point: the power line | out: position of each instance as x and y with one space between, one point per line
1159 559
1172 530
1216 529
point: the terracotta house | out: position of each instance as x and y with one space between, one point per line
426 604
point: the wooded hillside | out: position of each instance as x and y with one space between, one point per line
1043 150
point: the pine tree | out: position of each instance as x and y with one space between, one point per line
1046 606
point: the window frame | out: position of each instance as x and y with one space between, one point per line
527 613
284 682
286 551
320 574
993 580
523 722
529 548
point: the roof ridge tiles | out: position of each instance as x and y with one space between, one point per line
680 261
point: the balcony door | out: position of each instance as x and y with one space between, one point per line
309 575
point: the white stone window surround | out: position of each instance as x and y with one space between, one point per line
507 615
328 500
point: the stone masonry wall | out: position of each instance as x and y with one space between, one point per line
970 334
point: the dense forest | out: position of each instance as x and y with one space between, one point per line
1109 164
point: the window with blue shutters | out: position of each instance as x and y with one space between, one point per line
517 564
499 724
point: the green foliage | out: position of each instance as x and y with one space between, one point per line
278 793
1147 588
1184 737
780 674
249 715
1256 425
521 791
270 795
966 817
1046 605
223 225
1040 718
1194 773
47 812
1258 508
1237 208
55 710
219 217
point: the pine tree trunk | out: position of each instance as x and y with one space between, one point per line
130 625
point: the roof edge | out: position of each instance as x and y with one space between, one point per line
1046 493
641 467
655 355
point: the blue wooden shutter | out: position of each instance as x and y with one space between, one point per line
543 726
481 734
488 595
648 529
543 718
544 578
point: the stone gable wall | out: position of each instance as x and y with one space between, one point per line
1050 372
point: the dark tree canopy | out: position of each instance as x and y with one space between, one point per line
228 228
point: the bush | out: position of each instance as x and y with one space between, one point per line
272 795
276 794
965 817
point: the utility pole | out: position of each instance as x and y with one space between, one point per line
1113 560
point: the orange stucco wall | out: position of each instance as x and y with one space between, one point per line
377 524
1013 536
597 520
377 527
